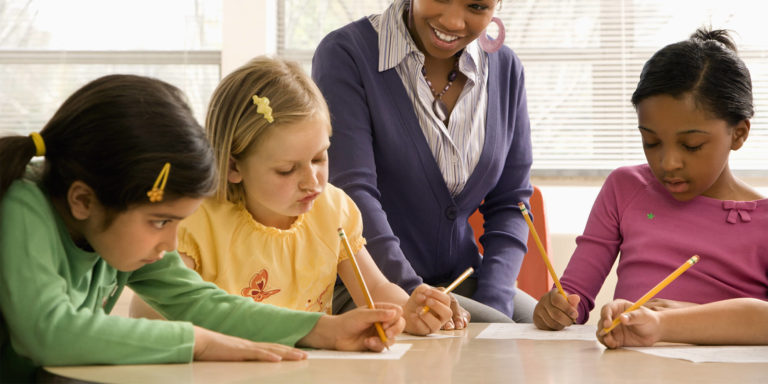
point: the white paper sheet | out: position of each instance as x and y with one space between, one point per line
709 354
395 352
529 331
431 336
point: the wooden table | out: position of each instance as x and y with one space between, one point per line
447 360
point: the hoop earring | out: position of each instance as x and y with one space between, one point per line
491 45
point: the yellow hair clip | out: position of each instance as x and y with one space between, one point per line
156 193
263 107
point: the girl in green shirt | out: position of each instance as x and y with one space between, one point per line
124 161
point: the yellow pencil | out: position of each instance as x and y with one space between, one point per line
453 285
541 249
360 280
672 276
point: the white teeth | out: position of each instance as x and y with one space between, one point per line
444 37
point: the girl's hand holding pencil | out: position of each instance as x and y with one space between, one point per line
556 309
420 323
460 318
553 312
355 330
639 328
457 318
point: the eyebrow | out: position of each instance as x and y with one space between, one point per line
640 127
165 216
284 161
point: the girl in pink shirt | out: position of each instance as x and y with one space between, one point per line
694 104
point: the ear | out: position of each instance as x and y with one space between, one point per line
81 200
739 134
233 172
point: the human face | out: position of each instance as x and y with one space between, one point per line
441 28
285 171
141 235
686 148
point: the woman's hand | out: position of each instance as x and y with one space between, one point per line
460 318
419 323
214 346
553 312
355 331
639 328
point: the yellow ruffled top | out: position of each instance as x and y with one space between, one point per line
293 268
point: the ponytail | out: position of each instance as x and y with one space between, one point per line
15 153
115 134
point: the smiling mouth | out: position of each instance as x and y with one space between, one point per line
444 36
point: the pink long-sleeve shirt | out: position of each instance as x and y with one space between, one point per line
636 217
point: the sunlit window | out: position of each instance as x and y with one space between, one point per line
582 60
50 48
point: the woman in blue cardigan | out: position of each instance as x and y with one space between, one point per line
431 123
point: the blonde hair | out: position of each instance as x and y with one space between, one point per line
233 124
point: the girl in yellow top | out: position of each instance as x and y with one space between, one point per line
271 231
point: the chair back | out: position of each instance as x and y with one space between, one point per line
534 277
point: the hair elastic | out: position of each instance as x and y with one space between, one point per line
263 107
39 143
156 193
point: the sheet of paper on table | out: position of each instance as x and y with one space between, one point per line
395 352
431 336
709 354
529 331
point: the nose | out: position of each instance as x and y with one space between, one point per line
671 160
169 242
452 17
309 180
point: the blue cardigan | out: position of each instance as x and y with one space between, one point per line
416 231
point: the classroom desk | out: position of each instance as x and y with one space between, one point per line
448 360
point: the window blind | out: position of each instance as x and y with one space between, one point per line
582 62
50 48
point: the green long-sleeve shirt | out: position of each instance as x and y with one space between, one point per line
55 299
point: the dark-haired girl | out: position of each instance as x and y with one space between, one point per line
694 104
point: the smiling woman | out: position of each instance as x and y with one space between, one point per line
429 127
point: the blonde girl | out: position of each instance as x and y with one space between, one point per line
271 231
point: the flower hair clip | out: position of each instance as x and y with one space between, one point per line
156 193
263 107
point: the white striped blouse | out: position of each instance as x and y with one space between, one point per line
457 147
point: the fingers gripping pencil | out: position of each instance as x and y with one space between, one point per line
360 280
453 285
672 276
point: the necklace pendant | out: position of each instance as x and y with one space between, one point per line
440 109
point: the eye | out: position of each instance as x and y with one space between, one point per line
648 145
160 224
694 148
320 160
285 172
478 7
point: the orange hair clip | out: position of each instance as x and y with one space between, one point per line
156 193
